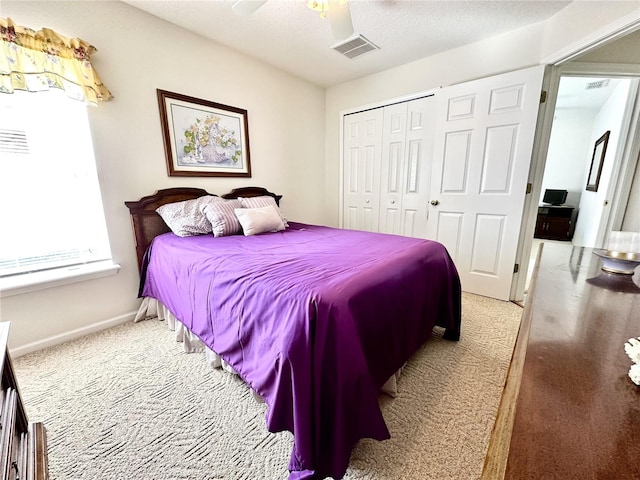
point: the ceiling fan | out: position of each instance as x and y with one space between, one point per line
336 11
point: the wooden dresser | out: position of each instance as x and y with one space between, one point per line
23 445
556 222
569 409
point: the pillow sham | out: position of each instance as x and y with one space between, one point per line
185 218
222 217
259 220
263 201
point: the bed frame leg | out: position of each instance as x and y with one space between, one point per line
450 334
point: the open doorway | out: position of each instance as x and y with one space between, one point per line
583 165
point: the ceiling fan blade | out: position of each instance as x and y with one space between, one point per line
247 7
340 19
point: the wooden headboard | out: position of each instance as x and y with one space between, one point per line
147 224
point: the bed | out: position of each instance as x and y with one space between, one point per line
314 319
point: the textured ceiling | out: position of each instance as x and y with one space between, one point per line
287 35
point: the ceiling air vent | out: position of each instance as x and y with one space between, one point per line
354 46
597 84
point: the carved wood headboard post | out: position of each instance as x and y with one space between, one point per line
147 224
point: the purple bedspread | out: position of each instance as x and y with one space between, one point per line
303 316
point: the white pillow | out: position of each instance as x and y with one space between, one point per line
263 201
186 218
259 220
222 217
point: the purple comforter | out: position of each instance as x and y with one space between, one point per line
303 316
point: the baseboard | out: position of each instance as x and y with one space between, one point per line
70 335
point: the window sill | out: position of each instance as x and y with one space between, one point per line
32 282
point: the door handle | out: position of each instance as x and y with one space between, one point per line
435 202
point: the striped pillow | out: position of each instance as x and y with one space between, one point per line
222 217
262 201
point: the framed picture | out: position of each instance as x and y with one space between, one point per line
203 138
597 160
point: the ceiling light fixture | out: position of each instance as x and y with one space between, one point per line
321 6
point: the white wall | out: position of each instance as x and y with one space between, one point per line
520 48
569 152
592 204
138 53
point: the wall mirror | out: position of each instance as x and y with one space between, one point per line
597 160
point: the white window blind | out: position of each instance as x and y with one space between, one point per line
51 212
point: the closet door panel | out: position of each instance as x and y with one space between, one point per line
361 164
387 167
394 128
417 170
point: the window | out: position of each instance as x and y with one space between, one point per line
51 213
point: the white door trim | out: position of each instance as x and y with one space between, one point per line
550 84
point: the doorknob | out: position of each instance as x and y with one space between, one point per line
435 202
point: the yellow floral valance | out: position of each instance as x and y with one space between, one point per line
36 61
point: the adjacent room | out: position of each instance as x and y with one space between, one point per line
271 239
571 210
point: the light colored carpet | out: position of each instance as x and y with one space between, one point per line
109 402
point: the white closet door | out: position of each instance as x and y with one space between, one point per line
482 153
421 115
394 134
407 142
361 182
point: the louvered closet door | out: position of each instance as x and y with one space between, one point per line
406 167
361 182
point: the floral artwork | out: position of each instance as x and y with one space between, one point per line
209 141
203 138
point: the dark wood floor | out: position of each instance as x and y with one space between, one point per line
569 410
